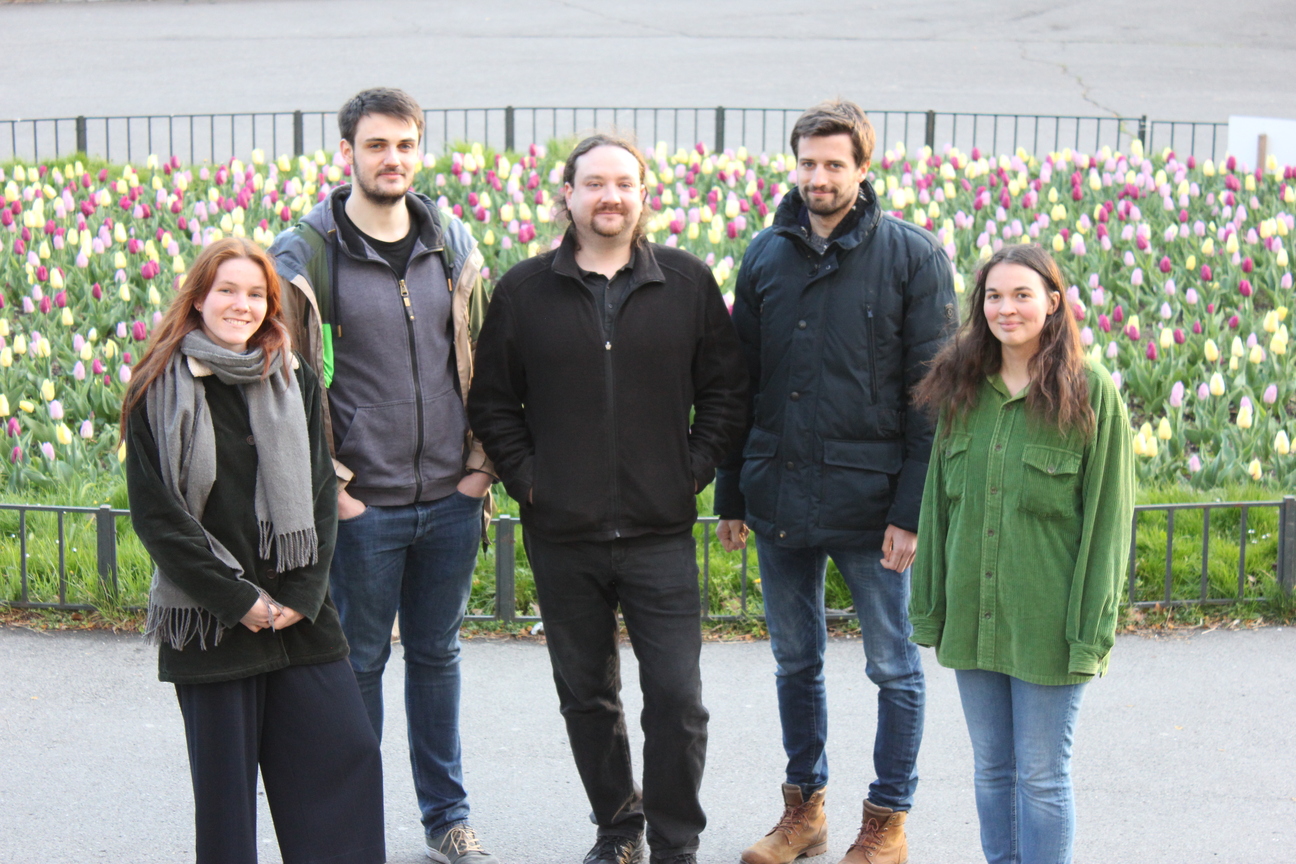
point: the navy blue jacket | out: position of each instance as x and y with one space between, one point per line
834 345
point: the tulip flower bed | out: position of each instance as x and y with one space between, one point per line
1180 275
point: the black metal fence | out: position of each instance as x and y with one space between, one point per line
219 137
505 555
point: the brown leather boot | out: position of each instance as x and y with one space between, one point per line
801 833
881 839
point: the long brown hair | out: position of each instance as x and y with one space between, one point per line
1059 389
182 317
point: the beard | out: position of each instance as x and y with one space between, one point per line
840 201
604 231
375 194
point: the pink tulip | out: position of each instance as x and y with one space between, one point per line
1270 394
1197 328
138 331
1205 273
1118 314
1233 322
87 429
1247 264
124 373
45 305
12 427
47 449
78 371
1151 350
1194 463
1179 336
1104 323
1165 264
1203 392
15 454
1177 395
1244 288
56 410
97 367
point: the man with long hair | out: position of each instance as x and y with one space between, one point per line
839 306
591 359
383 294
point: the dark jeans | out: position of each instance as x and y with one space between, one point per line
417 559
653 579
307 729
792 580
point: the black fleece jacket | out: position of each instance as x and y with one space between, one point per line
591 432
176 542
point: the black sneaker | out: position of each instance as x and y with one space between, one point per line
682 858
611 849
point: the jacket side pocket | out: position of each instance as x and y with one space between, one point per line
760 477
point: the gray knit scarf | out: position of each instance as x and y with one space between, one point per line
182 427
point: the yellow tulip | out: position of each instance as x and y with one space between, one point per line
1191 262
1231 244
1166 339
63 434
1151 446
47 390
1282 259
1244 418
1271 321
1255 470
119 232
1211 350
6 357
1163 429
119 261
121 452
489 239
178 264
4 327
154 298
693 231
87 353
1281 445
110 349
1140 445
1058 243
1257 354
1208 247
4 405
1217 384
1237 349
27 406
124 293
56 279
66 317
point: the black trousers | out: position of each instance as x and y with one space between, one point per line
653 579
307 729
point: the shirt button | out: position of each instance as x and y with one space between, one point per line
987 615
1052 470
994 490
989 575
998 446
791 465
782 535
990 533
794 396
251 441
801 325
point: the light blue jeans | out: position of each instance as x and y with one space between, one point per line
1021 746
416 559
792 582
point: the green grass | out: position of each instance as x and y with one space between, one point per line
724 592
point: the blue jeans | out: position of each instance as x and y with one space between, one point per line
1021 745
792 581
417 559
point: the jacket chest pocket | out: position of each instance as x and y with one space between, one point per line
1051 482
954 457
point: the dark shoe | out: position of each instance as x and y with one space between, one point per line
611 849
682 858
458 844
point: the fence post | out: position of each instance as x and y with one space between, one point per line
719 129
81 136
930 135
508 129
1287 544
505 589
106 549
299 134
1143 132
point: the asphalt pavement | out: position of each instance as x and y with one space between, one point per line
1164 58
1185 752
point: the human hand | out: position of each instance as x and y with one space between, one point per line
475 484
258 617
898 548
348 507
732 534
285 617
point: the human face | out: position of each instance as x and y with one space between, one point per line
236 304
384 158
1016 304
827 175
606 198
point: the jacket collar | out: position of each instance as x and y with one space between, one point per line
422 211
644 270
792 220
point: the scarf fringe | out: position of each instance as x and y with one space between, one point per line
292 550
179 626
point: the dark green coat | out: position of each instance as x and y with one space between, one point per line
178 545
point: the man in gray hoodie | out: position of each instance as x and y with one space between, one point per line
383 296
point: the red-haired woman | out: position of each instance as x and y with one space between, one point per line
1022 543
232 493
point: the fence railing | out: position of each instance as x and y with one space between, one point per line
505 554
219 137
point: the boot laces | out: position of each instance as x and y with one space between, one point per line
869 840
462 838
792 820
623 847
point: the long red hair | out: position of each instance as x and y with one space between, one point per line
182 317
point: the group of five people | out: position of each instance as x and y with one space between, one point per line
312 436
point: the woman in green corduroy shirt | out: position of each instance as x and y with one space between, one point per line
1022 543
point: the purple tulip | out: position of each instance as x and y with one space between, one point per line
1165 264
47 449
97 367
1177 395
1179 336
1194 463
1203 392
1151 350
138 331
1244 288
1205 273
1270 394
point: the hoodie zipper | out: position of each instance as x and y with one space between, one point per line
611 400
418 389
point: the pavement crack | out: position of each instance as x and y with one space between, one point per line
1074 76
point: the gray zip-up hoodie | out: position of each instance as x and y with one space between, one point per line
395 401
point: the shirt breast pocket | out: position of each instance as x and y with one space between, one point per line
954 465
1051 483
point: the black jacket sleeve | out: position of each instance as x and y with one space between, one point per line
930 315
175 539
729 500
496 411
719 388
305 588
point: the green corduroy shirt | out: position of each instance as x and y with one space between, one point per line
1023 538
